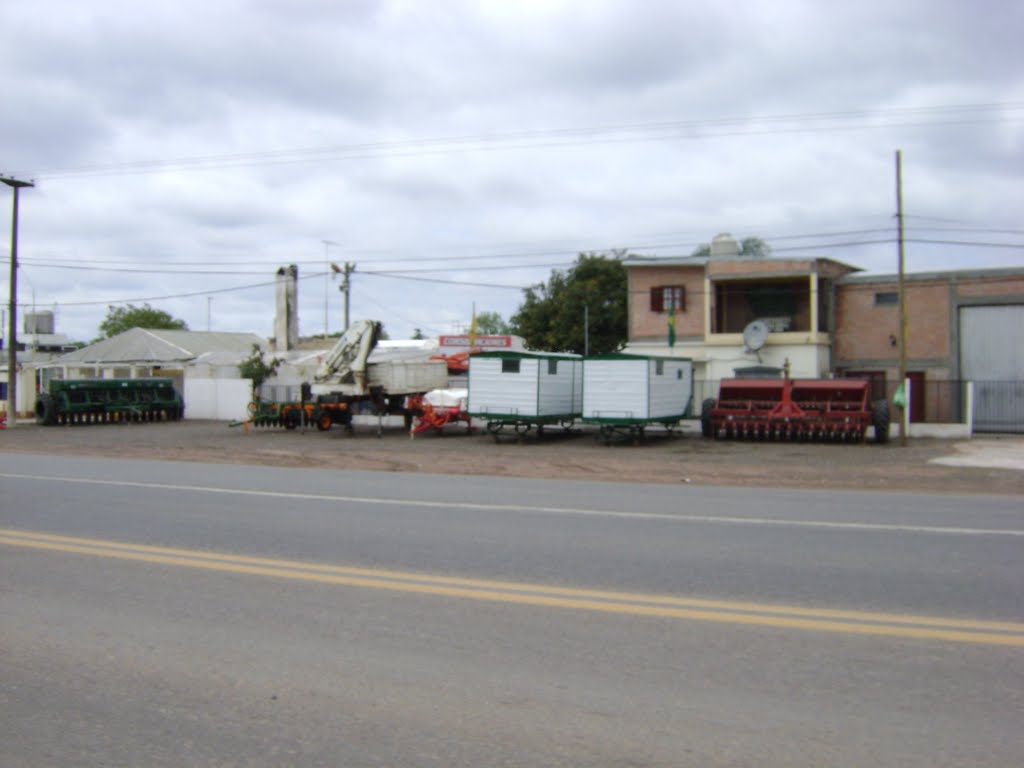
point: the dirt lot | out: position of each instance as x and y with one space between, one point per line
681 458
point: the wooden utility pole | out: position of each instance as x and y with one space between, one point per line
12 333
904 416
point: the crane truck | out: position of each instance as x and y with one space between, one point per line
353 376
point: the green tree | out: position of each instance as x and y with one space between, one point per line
551 317
121 319
491 323
257 369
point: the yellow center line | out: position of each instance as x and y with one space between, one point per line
521 593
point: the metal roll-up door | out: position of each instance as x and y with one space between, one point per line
992 356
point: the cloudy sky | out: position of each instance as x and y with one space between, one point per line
456 151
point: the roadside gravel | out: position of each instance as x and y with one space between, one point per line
680 458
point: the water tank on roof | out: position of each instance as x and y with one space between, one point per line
724 246
39 322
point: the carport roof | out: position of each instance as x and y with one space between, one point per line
141 345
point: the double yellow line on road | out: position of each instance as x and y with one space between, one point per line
518 593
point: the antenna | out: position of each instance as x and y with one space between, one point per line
754 337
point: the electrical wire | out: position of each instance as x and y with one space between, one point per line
563 137
417 273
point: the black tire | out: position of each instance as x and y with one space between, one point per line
880 420
46 411
291 419
706 427
324 421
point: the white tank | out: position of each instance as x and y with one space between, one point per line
39 322
724 246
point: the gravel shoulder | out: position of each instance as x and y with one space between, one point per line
681 458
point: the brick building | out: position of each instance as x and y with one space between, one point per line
965 325
817 317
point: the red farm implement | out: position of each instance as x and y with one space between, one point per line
819 410
438 409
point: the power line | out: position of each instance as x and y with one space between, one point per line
562 137
207 292
445 282
64 265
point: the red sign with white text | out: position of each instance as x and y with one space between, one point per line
482 342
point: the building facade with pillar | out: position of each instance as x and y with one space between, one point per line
817 317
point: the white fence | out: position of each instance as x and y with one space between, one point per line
217 399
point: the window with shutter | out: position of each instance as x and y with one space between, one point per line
668 297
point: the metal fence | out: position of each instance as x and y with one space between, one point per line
998 405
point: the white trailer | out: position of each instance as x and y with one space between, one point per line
624 393
523 390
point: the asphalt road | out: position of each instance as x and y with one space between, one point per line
159 613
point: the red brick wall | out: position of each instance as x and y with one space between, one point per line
990 286
753 268
646 324
863 330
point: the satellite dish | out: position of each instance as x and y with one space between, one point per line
755 335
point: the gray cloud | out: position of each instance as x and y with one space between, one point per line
278 126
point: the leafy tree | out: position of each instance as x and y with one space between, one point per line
121 319
417 334
489 323
750 247
256 368
551 317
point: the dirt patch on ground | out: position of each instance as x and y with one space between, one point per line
680 458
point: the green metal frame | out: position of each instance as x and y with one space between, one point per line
103 401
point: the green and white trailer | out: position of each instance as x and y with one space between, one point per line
523 390
623 393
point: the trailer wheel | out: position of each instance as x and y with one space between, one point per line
880 420
46 411
324 421
706 426
290 419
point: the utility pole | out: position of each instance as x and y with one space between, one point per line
327 273
904 417
12 341
346 287
586 330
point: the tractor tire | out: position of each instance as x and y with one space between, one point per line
46 411
880 420
324 422
291 419
706 427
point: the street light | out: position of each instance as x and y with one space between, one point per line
12 347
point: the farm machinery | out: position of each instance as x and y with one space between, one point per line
290 415
352 378
438 409
820 410
106 401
